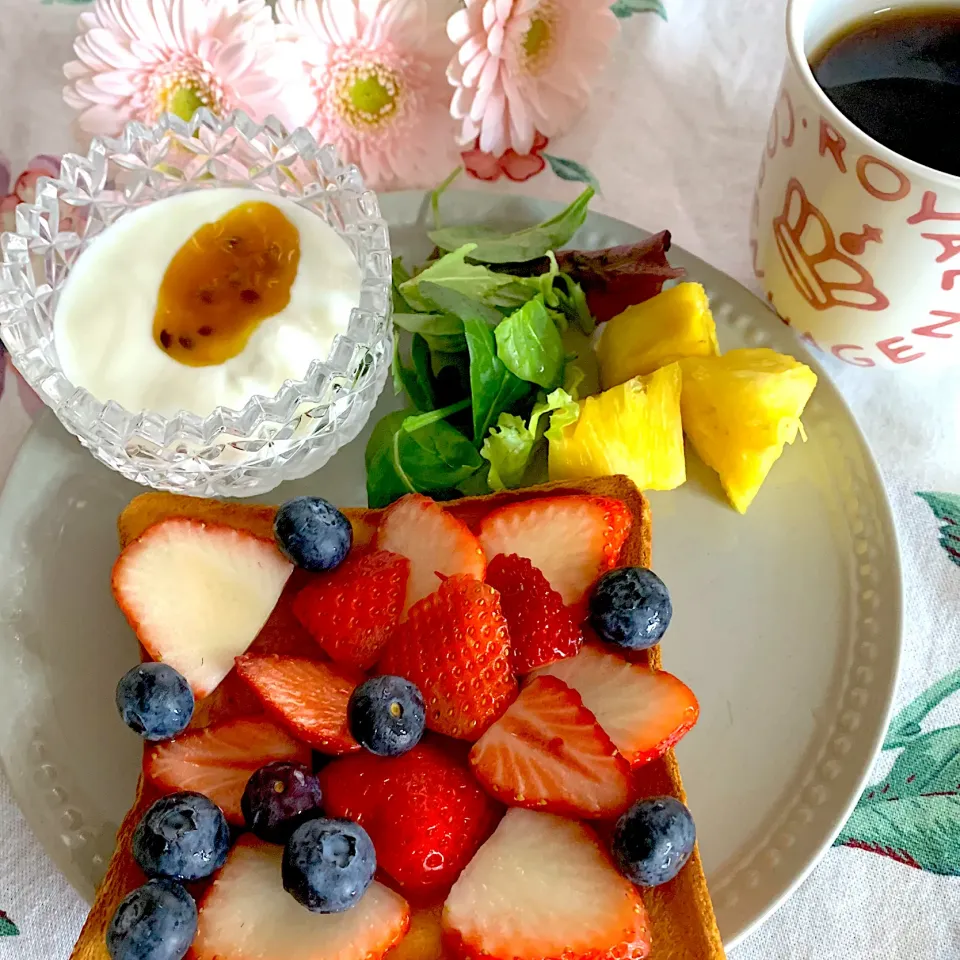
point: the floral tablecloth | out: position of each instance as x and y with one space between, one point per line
673 134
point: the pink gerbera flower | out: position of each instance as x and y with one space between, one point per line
140 59
525 66
377 69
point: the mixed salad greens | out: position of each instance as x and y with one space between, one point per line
493 351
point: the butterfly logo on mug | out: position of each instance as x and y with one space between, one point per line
823 274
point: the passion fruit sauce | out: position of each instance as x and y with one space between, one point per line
229 277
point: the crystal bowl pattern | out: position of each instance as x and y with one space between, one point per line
230 452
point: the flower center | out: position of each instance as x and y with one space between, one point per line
368 95
538 41
182 87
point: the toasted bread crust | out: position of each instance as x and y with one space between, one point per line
681 913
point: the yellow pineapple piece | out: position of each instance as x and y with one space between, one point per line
633 428
739 410
674 324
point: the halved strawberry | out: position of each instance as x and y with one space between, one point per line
424 811
197 594
352 611
308 697
542 887
218 760
572 540
541 628
644 711
283 632
434 541
455 647
247 915
547 752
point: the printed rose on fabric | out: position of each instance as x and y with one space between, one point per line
514 166
12 193
24 189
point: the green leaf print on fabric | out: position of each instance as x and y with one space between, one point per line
913 816
628 8
7 927
946 507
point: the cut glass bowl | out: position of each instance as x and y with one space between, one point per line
230 452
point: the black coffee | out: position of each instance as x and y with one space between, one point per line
896 75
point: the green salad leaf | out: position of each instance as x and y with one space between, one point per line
529 345
493 388
511 445
458 305
453 271
442 332
417 381
418 454
492 246
400 275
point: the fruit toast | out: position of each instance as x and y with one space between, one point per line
680 911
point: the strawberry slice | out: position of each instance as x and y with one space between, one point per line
548 752
352 611
247 915
218 760
308 697
542 887
572 540
644 712
541 628
434 541
424 811
455 647
197 594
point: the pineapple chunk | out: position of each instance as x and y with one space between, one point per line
674 324
739 410
633 428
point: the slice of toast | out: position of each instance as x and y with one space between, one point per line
684 927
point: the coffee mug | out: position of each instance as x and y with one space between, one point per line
856 247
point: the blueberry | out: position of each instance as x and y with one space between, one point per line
653 840
313 533
183 836
155 701
328 865
630 607
278 798
157 921
386 715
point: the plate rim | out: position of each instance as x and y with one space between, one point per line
883 513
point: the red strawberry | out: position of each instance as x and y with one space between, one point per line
455 647
542 887
283 632
247 915
434 540
541 627
197 594
352 611
218 760
308 697
548 752
572 540
425 813
644 711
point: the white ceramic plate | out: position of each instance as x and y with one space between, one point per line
787 621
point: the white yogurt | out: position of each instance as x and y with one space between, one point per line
103 326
